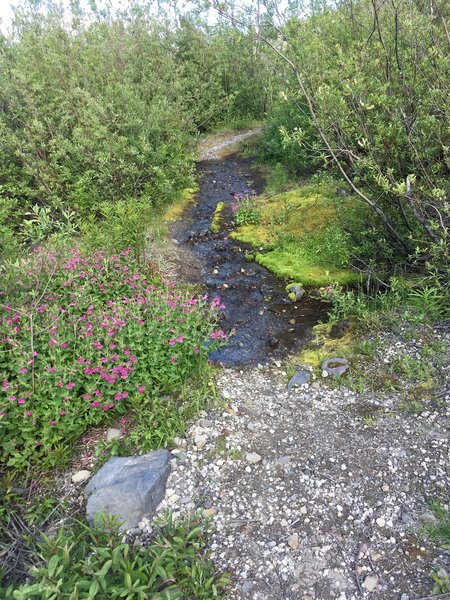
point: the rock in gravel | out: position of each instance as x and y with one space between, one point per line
128 487
300 378
113 434
370 583
80 476
209 512
328 368
381 522
293 541
252 457
200 441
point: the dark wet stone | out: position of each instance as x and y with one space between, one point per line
300 378
295 291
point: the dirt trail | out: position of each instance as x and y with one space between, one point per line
310 498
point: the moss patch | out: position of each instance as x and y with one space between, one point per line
323 347
291 263
216 223
298 237
175 211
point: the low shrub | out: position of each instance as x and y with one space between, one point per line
84 335
97 563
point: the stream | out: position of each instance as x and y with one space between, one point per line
266 325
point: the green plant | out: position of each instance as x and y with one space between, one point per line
87 336
440 531
442 581
411 368
367 348
96 563
369 420
246 210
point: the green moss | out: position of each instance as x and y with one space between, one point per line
322 347
290 222
217 218
305 269
175 211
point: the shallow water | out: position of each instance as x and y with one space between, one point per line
266 324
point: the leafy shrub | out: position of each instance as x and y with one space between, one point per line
96 563
246 210
118 225
81 336
288 137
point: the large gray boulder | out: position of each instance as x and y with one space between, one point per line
128 487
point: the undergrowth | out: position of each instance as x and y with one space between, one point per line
80 562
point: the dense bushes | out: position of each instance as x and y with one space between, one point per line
82 337
99 109
373 76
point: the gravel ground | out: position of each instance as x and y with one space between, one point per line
307 499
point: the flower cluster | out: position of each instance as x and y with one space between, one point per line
83 335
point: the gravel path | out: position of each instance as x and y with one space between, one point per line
307 499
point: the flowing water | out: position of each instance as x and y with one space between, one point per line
266 324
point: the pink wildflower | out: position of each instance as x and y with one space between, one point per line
23 370
171 342
141 389
180 339
70 386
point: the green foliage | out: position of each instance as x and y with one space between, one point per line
86 563
246 210
374 80
99 110
288 137
85 335
409 295
118 225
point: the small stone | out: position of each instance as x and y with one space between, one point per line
340 366
200 441
300 378
113 434
385 487
370 583
209 512
376 557
303 510
362 551
381 522
81 476
252 457
293 541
